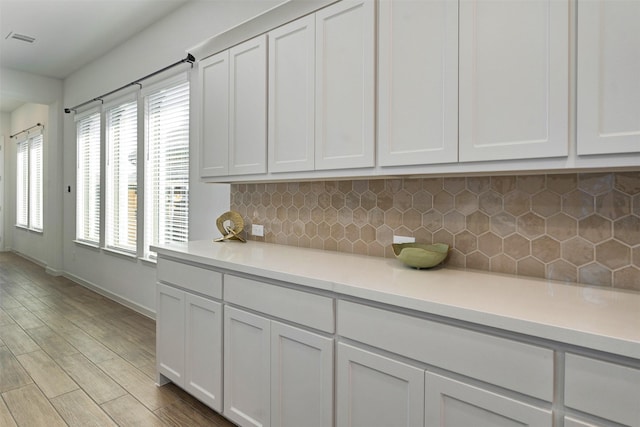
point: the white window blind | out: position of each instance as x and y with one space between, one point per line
167 165
121 178
22 184
35 182
88 179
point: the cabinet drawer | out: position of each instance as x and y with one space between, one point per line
514 365
604 389
300 307
196 279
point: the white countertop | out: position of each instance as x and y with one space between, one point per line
597 318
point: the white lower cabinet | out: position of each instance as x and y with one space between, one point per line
189 343
602 389
376 391
170 323
451 403
301 377
276 374
572 422
203 350
246 368
392 367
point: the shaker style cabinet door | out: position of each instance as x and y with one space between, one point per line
450 403
248 107
292 96
246 368
170 333
608 77
514 91
603 389
375 391
214 115
572 422
345 85
203 350
417 82
301 378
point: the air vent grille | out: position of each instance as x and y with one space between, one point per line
21 37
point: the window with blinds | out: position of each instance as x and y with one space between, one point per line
167 165
88 178
29 183
121 176
22 184
35 183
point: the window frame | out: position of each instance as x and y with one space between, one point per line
80 186
149 216
26 213
111 243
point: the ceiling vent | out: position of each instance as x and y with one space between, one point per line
21 37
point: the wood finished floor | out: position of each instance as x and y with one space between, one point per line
69 356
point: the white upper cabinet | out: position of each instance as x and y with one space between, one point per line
514 91
248 107
608 77
214 118
345 85
417 82
292 96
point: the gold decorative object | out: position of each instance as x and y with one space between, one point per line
230 225
418 255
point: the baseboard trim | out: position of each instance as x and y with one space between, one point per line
53 271
108 294
80 281
29 258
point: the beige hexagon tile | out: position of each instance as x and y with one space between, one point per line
578 251
503 264
568 227
627 278
562 271
595 274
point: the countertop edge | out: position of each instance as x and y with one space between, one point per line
579 338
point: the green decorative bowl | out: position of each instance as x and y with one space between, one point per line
419 255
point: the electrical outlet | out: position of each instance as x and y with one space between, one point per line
257 230
403 239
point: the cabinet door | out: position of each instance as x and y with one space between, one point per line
608 82
248 107
170 333
451 403
203 350
514 92
572 422
603 389
214 115
292 96
345 85
301 378
418 82
375 391
246 368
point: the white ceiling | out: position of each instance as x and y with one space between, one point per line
70 33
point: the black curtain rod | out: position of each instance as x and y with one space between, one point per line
25 130
189 59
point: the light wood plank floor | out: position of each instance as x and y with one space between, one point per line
70 357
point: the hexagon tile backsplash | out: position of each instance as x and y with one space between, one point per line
570 227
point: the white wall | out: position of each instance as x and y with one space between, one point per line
5 133
133 281
44 105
